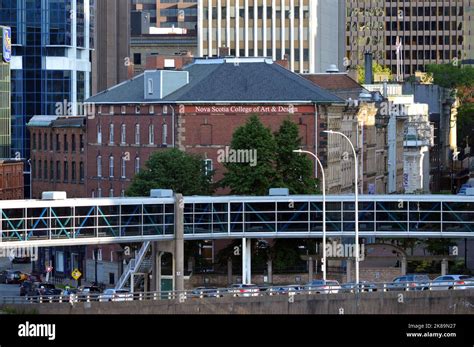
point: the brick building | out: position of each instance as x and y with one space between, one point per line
11 180
197 110
58 155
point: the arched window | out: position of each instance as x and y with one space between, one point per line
111 133
123 134
151 134
111 166
99 134
137 165
137 134
99 166
124 168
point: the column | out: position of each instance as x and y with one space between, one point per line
227 24
219 25
273 29
209 28
404 266
246 261
312 34
310 269
255 28
282 29
301 36
270 270
264 27
237 28
292 35
444 267
229 271
156 267
246 28
199 25
349 270
132 283
178 255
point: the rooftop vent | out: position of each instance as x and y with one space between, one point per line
332 69
53 196
161 193
279 192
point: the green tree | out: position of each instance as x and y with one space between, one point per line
451 76
172 169
247 178
376 68
439 246
294 171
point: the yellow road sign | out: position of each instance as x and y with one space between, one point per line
76 274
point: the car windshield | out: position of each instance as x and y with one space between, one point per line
109 291
317 283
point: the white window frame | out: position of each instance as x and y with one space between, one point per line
123 134
151 134
137 165
99 134
137 134
124 168
99 166
111 133
111 166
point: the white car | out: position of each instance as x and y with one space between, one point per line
456 282
323 287
116 295
244 290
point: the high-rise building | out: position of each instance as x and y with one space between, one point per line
111 54
309 33
168 14
51 43
468 27
5 92
419 33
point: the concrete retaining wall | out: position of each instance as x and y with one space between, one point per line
448 302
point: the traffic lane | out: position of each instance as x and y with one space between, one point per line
9 290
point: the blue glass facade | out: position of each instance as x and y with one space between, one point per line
51 61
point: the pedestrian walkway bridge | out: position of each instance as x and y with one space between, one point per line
114 220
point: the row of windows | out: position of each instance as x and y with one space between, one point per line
123 166
57 171
69 142
123 109
424 40
424 11
99 193
137 134
426 54
433 26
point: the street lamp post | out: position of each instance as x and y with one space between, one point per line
324 267
356 181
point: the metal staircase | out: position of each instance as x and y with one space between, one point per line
140 264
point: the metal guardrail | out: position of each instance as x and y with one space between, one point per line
257 291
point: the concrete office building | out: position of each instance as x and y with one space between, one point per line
468 27
309 32
430 32
111 56
167 14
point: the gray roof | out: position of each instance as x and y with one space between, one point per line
218 80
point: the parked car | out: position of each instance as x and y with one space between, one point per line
245 290
22 260
363 286
457 282
285 290
43 292
409 282
90 293
323 287
26 287
206 292
113 294
10 277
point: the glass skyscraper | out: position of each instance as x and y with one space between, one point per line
5 83
51 43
